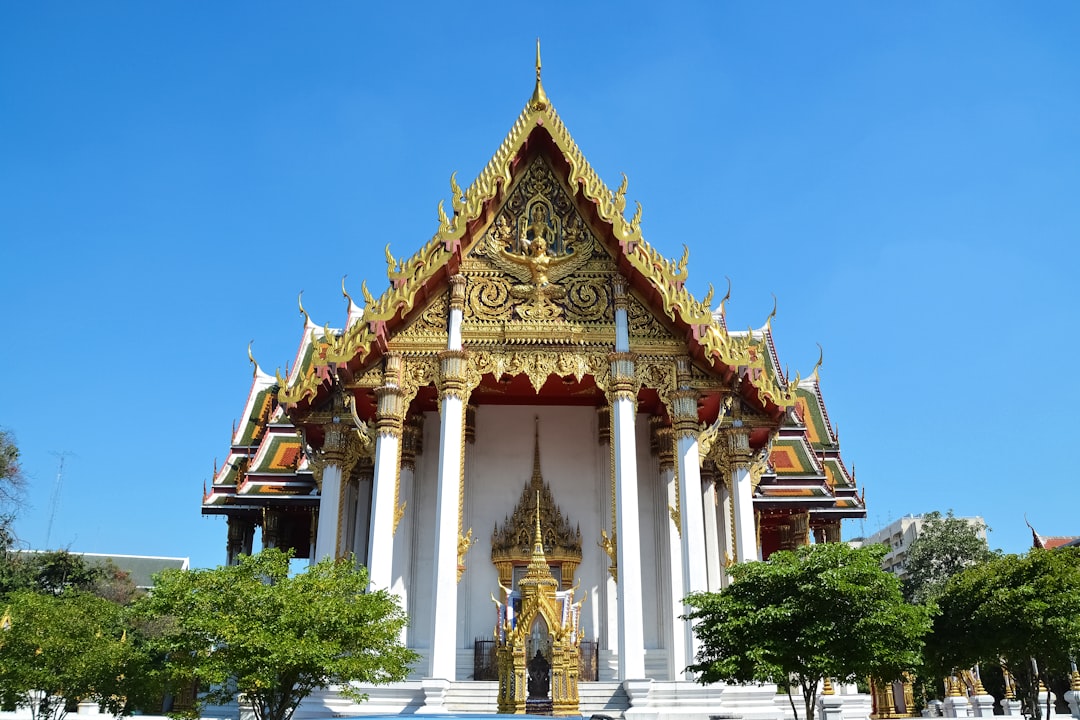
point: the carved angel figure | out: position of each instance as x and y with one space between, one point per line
536 270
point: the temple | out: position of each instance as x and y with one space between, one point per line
537 358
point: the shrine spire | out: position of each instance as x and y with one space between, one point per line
539 99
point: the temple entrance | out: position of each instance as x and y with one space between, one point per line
538 641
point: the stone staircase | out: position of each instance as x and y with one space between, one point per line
607 698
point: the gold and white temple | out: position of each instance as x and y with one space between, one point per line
537 354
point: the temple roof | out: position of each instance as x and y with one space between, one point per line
660 281
805 453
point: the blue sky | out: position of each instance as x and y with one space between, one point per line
903 176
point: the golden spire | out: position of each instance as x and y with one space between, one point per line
539 100
538 571
537 478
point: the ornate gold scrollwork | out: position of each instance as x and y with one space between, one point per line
610 545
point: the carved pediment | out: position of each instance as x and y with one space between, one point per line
539 260
512 541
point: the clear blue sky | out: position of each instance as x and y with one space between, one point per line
903 176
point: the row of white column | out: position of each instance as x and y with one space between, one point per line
692 563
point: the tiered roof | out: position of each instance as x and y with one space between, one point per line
805 467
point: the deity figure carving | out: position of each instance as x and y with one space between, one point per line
536 260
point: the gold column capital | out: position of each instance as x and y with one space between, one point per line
457 292
453 378
619 293
663 442
624 381
737 446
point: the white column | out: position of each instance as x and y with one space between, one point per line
623 393
693 529
384 492
712 534
328 536
411 445
631 618
381 543
738 438
451 439
609 619
340 451
684 414
677 648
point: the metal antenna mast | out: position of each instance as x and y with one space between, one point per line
55 501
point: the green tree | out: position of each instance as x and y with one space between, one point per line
56 650
252 629
822 611
945 546
1020 610
12 482
58 571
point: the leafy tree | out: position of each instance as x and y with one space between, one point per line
822 611
12 482
1020 610
56 572
252 629
945 546
56 650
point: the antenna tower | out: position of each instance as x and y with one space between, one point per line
55 500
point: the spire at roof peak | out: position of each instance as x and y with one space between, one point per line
539 100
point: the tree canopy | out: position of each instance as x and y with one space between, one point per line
12 482
822 611
56 650
1020 610
945 546
252 629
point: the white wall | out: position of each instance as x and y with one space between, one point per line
498 468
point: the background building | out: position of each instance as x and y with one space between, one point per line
900 534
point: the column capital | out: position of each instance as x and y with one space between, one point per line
663 442
390 413
624 381
453 378
457 292
343 446
684 414
412 441
603 424
619 293
737 447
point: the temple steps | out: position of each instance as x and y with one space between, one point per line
608 698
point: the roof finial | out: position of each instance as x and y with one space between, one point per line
817 366
300 303
539 100
251 358
768 320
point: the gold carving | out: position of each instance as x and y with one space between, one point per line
540 365
463 544
510 542
534 261
489 299
544 630
609 544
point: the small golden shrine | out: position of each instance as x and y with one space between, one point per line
538 642
892 700
510 543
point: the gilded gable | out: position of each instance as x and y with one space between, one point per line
538 261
